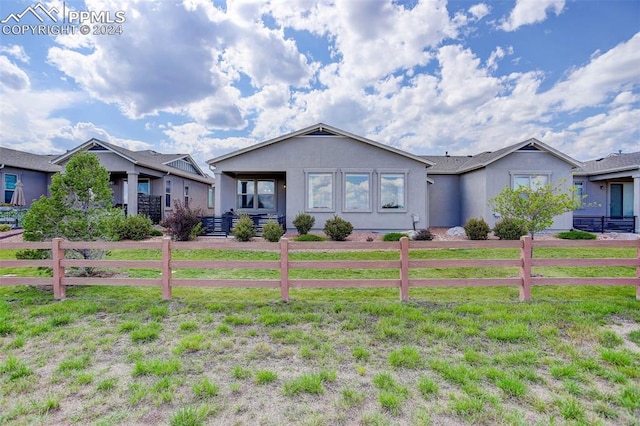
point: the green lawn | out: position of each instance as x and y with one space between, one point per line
346 356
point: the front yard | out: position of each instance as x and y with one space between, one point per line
354 357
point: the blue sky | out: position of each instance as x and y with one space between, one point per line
207 78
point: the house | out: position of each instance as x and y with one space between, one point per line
148 182
325 171
34 171
612 184
463 185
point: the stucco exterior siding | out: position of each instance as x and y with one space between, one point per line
295 158
444 201
35 183
473 196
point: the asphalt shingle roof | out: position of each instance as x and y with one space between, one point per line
614 162
26 160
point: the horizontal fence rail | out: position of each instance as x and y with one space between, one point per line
166 265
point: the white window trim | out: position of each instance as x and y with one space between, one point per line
333 173
405 194
583 204
256 194
346 172
529 173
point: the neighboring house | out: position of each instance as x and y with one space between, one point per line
462 186
612 186
148 182
325 171
34 171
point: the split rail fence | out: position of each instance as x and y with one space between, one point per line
525 262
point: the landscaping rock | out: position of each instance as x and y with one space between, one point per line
457 231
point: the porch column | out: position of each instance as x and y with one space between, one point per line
636 200
217 194
132 193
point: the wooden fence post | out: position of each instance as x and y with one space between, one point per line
284 269
404 269
166 268
57 254
525 268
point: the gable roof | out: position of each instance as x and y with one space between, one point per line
26 160
322 130
611 164
463 164
146 158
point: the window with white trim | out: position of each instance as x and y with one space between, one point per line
167 194
256 194
10 182
532 181
210 197
579 192
393 191
357 192
320 191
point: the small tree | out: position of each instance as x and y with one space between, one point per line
79 208
535 208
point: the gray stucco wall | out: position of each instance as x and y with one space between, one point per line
332 154
473 195
35 183
500 174
444 201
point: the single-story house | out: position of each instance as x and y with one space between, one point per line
149 182
612 184
324 171
463 185
33 170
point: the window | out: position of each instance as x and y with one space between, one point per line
167 194
144 186
319 191
186 196
357 191
210 197
393 191
579 192
533 181
256 194
9 187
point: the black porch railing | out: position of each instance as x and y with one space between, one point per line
605 223
222 226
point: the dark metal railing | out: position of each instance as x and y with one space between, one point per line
222 226
605 223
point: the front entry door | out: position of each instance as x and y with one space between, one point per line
621 199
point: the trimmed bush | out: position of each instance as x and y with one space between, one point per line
576 234
423 235
136 227
393 236
337 228
477 229
272 231
184 223
4 227
244 230
310 237
509 229
303 223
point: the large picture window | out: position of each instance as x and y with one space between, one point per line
256 194
320 191
393 191
357 191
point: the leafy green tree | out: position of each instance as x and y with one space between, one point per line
535 208
79 208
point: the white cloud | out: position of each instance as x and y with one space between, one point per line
17 52
12 77
527 12
479 11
